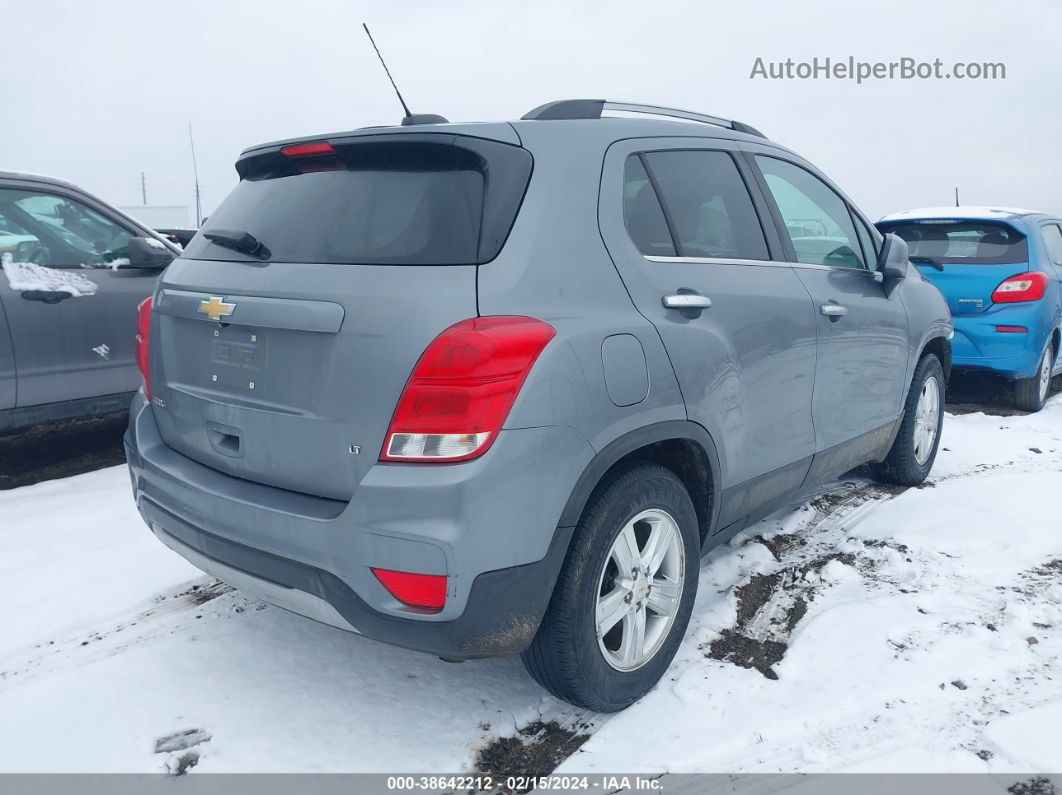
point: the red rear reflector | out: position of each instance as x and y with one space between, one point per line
415 590
1023 287
308 149
1012 329
462 387
143 331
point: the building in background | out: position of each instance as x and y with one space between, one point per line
156 216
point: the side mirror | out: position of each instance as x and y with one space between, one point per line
148 253
893 259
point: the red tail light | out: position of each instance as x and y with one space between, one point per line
462 388
308 149
143 330
415 590
1023 287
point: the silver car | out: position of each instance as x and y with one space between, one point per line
493 389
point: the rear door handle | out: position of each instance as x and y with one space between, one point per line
687 301
833 310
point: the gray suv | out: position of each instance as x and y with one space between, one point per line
493 389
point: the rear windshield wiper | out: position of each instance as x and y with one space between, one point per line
237 240
931 261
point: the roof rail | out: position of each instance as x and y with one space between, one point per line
592 109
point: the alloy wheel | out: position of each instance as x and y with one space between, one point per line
639 589
927 419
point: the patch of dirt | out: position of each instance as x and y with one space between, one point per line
178 764
1036 579
47 452
780 544
825 503
1050 570
182 764
1041 785
759 655
832 500
877 543
769 607
201 594
536 750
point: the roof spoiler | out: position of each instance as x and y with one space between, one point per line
593 108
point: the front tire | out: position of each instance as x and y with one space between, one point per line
915 447
1030 394
624 595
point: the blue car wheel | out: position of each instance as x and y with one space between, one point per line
1030 394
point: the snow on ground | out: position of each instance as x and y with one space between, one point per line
927 635
870 629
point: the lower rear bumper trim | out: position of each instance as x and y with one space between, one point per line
503 612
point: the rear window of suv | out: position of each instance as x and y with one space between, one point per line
375 202
966 242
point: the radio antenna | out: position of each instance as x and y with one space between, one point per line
388 71
195 175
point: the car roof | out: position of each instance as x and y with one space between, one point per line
962 212
633 121
43 178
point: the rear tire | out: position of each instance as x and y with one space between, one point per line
578 655
913 451
1030 394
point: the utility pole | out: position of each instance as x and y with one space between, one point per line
195 175
143 188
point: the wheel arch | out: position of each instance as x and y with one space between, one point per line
682 446
940 346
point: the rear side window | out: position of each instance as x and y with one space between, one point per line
642 214
376 203
816 218
966 242
706 204
1053 243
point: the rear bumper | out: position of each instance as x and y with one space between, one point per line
977 343
489 525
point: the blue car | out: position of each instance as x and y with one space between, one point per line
1000 270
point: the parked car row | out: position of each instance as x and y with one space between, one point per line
492 389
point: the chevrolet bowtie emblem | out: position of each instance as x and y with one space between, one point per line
216 308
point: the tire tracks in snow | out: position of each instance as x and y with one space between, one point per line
170 612
804 550
773 602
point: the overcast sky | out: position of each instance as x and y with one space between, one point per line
96 92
